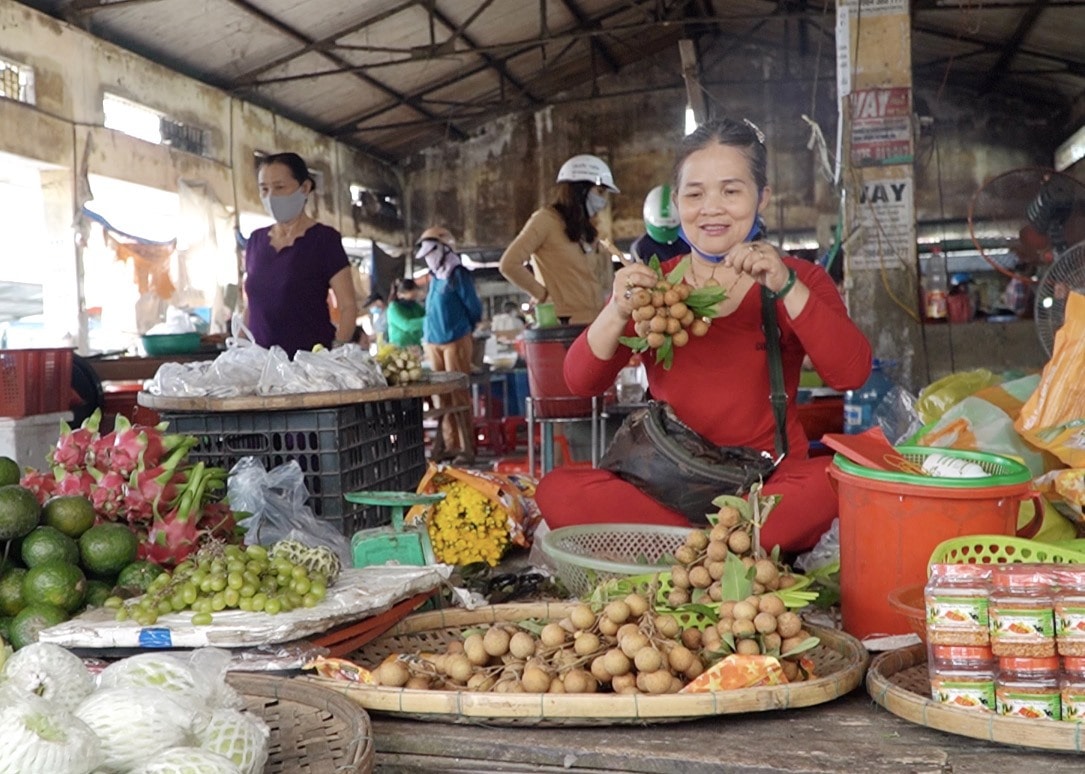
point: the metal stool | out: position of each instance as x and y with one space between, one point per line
546 424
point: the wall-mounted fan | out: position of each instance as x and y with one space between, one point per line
1066 275
1022 219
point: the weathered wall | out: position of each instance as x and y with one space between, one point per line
74 70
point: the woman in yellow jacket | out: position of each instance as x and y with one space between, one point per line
573 268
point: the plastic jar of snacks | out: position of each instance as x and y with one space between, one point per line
1028 688
1072 688
956 602
1021 612
963 676
1070 610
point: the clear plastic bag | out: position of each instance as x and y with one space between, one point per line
896 415
277 501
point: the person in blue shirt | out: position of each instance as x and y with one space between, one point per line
453 309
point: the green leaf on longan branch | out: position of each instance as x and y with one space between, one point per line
665 354
675 275
654 265
635 343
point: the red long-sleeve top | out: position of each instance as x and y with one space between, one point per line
718 384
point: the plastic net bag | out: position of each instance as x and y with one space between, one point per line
40 735
277 501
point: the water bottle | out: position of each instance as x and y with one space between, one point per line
859 405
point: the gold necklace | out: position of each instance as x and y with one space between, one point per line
712 278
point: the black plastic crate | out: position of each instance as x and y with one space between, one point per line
376 445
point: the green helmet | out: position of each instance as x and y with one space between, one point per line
660 218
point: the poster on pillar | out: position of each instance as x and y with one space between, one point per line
886 217
881 126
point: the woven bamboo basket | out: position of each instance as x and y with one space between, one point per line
839 662
313 730
898 680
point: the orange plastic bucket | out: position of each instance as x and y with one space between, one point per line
888 531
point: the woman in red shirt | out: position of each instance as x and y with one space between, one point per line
719 383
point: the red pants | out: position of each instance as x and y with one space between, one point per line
568 496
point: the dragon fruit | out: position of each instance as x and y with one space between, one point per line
73 446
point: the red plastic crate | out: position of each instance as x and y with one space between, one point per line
35 381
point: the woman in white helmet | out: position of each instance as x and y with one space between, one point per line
661 224
573 270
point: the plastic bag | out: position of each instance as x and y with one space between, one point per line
938 397
277 501
824 553
1053 418
896 415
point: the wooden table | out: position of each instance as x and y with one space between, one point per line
851 734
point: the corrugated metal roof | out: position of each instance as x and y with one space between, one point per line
395 76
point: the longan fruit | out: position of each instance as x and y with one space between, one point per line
640 327
667 625
766 571
677 598
626 683
678 309
455 646
673 327
459 668
683 290
697 539
585 643
699 577
772 642
656 339
715 591
657 298
599 671
607 627
680 577
626 629
790 643
556 685
680 658
553 635
770 603
657 324
743 611
475 650
728 516
695 669
393 673
617 611
535 680
739 542
522 645
791 670
582 617
710 638
688 318
715 569
765 623
496 641
641 298
691 638
418 683
747 648
648 660
680 338
685 554
578 681
632 643
616 662
719 533
698 328
670 298
787 581
638 605
726 609
743 628
723 625
717 550
655 683
788 624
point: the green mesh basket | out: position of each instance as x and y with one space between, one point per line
1002 471
1001 549
588 554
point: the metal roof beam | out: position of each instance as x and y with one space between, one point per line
583 20
1013 45
1072 67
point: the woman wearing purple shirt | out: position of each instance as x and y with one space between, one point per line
290 266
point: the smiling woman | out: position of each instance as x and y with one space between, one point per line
719 382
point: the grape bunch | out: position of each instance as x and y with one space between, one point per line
665 316
220 577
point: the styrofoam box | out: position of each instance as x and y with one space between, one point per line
29 439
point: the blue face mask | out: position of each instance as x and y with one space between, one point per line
756 230
594 203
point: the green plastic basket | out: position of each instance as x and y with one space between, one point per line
1001 549
589 554
1002 471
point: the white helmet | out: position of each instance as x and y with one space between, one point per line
589 169
660 215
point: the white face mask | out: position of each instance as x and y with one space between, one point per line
285 208
594 203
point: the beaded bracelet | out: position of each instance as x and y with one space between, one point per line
778 294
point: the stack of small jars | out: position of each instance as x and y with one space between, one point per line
1008 638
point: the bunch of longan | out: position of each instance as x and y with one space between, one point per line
663 314
625 648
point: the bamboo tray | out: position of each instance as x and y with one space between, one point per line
898 680
840 661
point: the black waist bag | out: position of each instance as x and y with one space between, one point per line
680 468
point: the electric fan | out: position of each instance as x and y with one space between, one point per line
1066 275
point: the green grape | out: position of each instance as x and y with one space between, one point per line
235 580
251 578
164 607
301 586
218 601
114 603
255 566
256 551
318 588
299 572
310 600
201 619
198 577
218 582
232 597
258 601
273 606
282 581
247 590
318 577
217 567
202 605
205 585
245 603
146 618
292 597
189 592
121 614
235 565
177 601
268 585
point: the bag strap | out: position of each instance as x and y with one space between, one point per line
777 395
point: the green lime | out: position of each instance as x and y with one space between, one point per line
44 544
71 514
19 511
138 575
11 591
106 549
55 583
32 619
9 471
98 592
